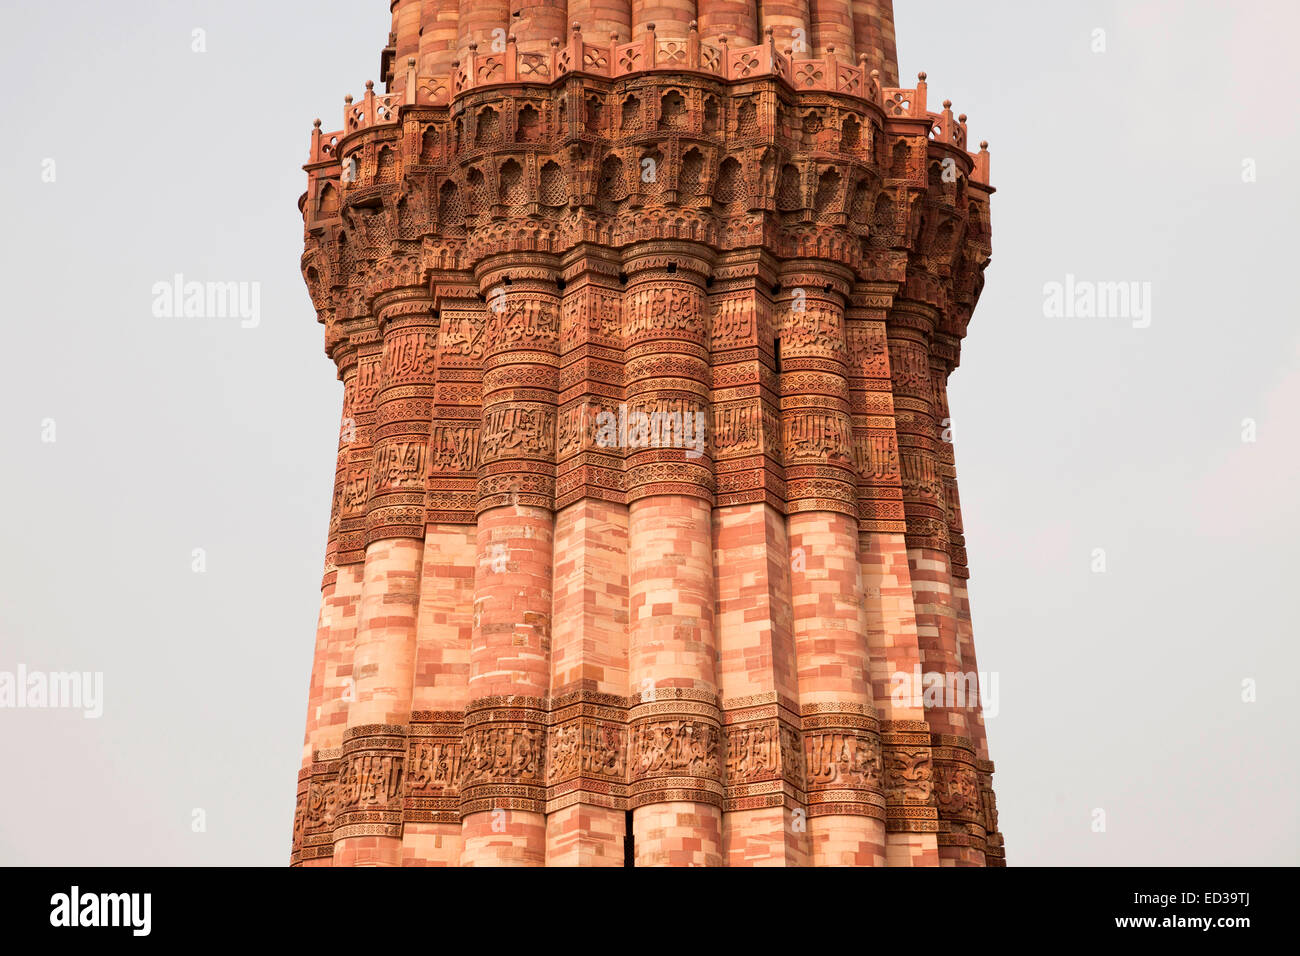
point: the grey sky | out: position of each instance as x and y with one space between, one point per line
1119 690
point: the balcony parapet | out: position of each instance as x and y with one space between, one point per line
648 54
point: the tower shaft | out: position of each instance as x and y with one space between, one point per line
645 523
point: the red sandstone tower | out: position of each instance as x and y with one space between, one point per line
644 312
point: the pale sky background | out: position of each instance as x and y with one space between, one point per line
1120 691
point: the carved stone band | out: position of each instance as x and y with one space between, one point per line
675 750
503 756
763 760
622 753
368 796
433 767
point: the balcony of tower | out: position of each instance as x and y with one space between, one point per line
365 164
899 108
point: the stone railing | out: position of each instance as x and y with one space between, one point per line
647 54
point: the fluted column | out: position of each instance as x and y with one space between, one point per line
672 18
431 834
956 776
439 29
873 32
368 826
408 16
587 740
503 796
320 654
791 25
841 733
586 823
485 23
737 20
911 330
943 359
356 349
764 820
536 22
676 743
911 820
963 837
832 28
600 18
404 42
987 800
340 612
316 687
331 688
910 326
357 353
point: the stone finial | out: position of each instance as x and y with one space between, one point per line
370 85
555 42
316 124
921 76
348 99
961 118
577 27
473 46
410 61
693 27
982 160
947 104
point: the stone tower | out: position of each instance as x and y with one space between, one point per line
645 516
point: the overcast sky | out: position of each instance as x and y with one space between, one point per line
1119 690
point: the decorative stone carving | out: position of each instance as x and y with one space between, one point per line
909 776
